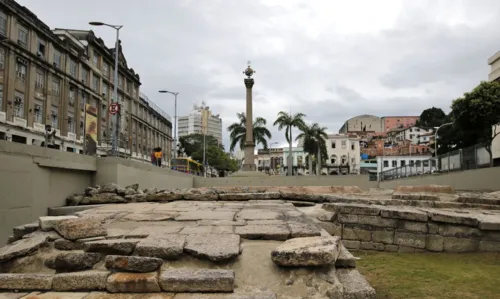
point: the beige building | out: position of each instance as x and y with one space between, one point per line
201 121
47 76
494 62
362 123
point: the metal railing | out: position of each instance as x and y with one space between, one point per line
155 107
473 157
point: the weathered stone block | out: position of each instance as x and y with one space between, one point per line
63 244
404 214
133 283
453 218
405 249
491 236
326 216
351 244
215 247
354 284
460 245
391 248
459 231
113 246
413 226
489 246
345 258
433 228
434 243
353 209
47 223
133 263
73 261
22 282
197 280
383 236
264 232
489 222
21 248
74 229
358 234
410 239
372 246
164 247
92 280
311 251
303 229
19 231
333 229
376 221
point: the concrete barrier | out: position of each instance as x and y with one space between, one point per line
338 180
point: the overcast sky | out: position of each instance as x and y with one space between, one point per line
331 60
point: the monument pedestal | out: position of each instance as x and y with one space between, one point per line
249 167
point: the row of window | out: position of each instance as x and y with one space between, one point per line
344 144
412 163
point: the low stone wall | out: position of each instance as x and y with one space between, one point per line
407 229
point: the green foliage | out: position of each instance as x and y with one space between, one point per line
289 121
477 112
214 152
238 132
432 117
313 137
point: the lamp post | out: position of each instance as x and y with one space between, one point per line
114 118
435 142
175 121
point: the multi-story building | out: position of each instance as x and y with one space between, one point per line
411 134
298 159
413 164
494 62
343 154
362 123
270 160
47 77
201 121
390 123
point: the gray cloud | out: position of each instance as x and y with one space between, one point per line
328 60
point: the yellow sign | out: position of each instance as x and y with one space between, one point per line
90 129
205 115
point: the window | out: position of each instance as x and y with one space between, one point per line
104 89
71 123
20 71
2 58
334 144
386 164
71 98
3 23
57 58
333 159
426 163
56 87
1 96
95 59
403 163
38 115
120 81
39 79
22 36
353 145
41 48
73 69
54 117
83 101
343 159
85 76
344 143
19 104
105 69
95 82
394 163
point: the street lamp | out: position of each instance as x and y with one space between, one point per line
114 117
175 121
435 141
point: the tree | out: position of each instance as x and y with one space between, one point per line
289 121
193 142
477 114
238 132
313 138
431 117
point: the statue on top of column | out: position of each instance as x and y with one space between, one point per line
249 71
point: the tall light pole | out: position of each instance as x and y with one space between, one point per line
175 121
436 142
114 118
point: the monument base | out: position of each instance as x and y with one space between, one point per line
249 167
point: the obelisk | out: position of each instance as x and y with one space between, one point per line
249 163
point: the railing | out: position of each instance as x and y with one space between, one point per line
156 108
458 160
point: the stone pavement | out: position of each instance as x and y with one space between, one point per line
180 249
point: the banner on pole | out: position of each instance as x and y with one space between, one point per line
90 129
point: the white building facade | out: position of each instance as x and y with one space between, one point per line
413 134
412 164
343 151
201 121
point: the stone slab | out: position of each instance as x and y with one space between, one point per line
404 213
453 217
259 214
19 231
263 232
21 248
345 259
74 229
63 244
303 229
310 251
354 284
49 222
73 261
197 280
123 282
102 295
17 295
25 282
215 247
145 231
133 263
164 246
256 294
91 280
55 295
205 215
249 196
150 216
113 246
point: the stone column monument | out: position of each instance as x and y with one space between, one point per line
249 163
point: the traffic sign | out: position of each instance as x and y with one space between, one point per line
114 108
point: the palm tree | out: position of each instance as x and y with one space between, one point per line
238 132
289 121
313 138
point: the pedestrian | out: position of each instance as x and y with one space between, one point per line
158 156
153 158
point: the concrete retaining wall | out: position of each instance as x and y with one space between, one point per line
33 179
403 229
299 181
485 179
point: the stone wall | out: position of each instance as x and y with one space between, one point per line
337 180
33 179
408 229
485 179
